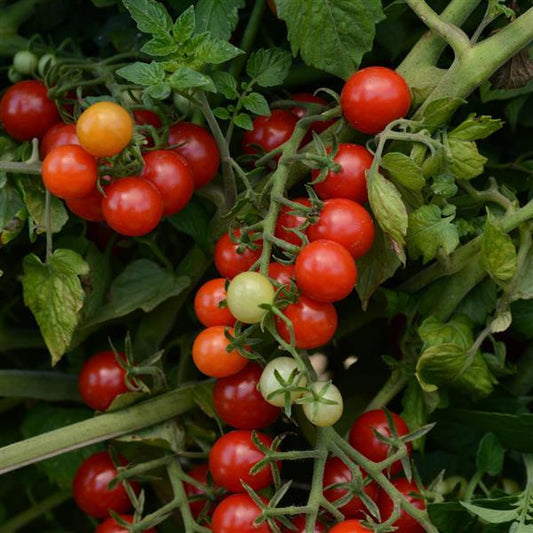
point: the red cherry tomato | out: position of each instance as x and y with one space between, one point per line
58 135
199 148
239 403
269 132
237 514
110 526
133 206
349 526
299 523
101 380
314 323
405 523
325 271
337 472
283 274
89 207
318 126
287 221
90 487
198 503
373 97
206 304
172 176
350 181
26 111
346 222
364 440
143 117
228 261
70 172
231 458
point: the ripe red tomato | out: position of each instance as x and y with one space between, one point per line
206 304
211 356
405 523
325 271
314 323
318 126
70 172
373 97
198 503
350 526
228 261
238 402
58 135
133 206
269 132
110 526
231 458
283 274
299 523
89 207
237 513
337 472
172 176
287 221
346 222
26 111
199 148
350 181
90 487
364 440
143 117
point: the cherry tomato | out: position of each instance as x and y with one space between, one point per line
211 357
299 523
272 6
26 111
269 132
325 271
346 222
207 304
405 523
101 380
349 526
233 455
197 505
319 126
104 129
350 181
364 440
238 402
246 292
373 97
90 487
337 472
287 370
111 526
133 206
237 513
283 274
287 221
199 148
58 135
323 413
172 176
314 323
143 117
228 261
25 62
70 172
89 207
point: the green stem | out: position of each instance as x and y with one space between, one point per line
472 484
392 387
48 225
37 385
34 169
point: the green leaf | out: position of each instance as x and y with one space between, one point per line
226 84
331 35
54 294
244 121
522 312
184 26
498 252
221 113
216 51
428 233
480 302
269 67
501 322
493 516
203 398
160 91
489 456
524 288
450 517
193 220
256 103
96 282
143 73
403 170
187 78
219 17
13 213
160 46
467 162
444 185
150 16
475 128
434 332
438 112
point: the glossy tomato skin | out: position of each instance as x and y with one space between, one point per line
349 526
199 148
318 126
26 111
58 135
89 207
228 261
101 380
70 172
206 304
248 292
90 487
299 523
283 274
239 403
287 221
314 323
236 514
405 523
145 116
347 223
364 440
231 458
199 473
269 132
110 526
172 176
337 472
133 206
210 356
350 181
325 271
373 97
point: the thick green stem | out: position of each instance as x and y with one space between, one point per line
36 385
388 391
34 169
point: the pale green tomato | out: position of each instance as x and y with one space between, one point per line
25 62
318 412
46 62
290 377
451 484
246 292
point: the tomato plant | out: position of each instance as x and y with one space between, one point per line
247 292
230 259
349 526
288 222
238 512
111 526
208 304
88 207
58 135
